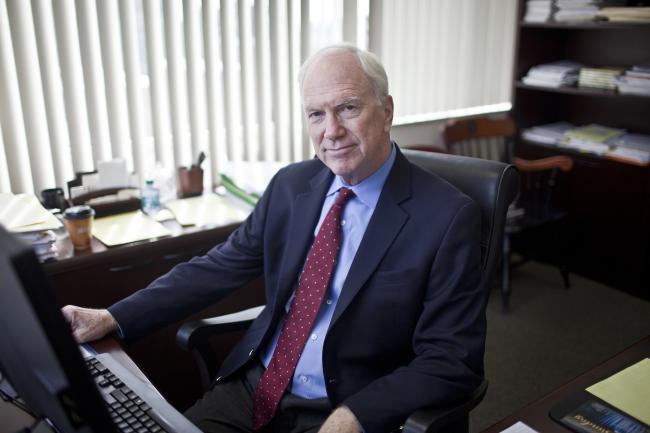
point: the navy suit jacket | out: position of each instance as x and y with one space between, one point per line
409 327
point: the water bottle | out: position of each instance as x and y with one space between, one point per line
150 199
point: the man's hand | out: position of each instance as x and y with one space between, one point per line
88 324
342 420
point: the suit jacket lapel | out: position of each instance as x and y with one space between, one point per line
385 223
306 210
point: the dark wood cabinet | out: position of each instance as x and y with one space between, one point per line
102 276
609 201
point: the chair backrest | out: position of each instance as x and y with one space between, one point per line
492 185
481 137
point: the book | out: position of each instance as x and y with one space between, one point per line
602 78
626 14
551 133
554 74
630 155
593 417
592 134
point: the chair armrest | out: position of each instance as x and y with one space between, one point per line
435 420
193 337
562 162
192 334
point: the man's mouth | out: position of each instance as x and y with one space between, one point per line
340 149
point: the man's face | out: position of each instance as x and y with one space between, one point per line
349 127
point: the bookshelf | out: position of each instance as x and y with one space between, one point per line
609 201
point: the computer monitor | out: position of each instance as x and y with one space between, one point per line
38 354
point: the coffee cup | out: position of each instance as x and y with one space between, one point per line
79 222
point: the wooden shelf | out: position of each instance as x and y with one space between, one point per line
609 199
588 25
584 91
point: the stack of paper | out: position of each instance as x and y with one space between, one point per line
576 10
547 134
630 155
592 138
626 14
633 148
23 214
538 11
635 141
635 81
601 78
43 243
555 74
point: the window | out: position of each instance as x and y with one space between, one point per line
162 80
445 58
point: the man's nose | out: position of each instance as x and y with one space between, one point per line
333 128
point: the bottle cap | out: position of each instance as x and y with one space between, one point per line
79 212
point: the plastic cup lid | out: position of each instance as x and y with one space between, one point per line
79 212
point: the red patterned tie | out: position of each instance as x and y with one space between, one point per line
301 316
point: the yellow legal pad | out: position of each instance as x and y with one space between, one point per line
206 210
127 227
628 390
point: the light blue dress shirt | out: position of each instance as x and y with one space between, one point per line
308 380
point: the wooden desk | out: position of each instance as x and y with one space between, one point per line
536 414
101 276
14 419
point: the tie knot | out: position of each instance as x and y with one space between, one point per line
344 195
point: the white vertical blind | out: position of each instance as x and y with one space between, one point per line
231 65
445 56
158 81
177 83
248 82
214 83
5 182
195 75
113 62
11 113
263 77
93 74
53 94
158 86
29 82
133 77
69 62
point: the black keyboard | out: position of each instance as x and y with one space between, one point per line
130 413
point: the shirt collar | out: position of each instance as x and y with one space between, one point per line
369 189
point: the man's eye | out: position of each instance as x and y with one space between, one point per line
349 110
315 115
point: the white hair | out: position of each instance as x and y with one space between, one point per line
369 62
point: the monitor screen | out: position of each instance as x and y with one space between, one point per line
37 351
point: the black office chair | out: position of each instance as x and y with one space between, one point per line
493 185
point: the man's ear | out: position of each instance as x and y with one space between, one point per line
388 112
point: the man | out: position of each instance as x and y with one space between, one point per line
396 322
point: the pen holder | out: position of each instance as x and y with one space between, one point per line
190 181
